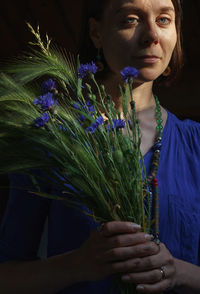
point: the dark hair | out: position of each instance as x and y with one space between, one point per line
88 52
93 8
176 62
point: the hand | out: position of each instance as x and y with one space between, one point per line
155 273
113 250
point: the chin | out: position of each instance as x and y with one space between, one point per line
148 75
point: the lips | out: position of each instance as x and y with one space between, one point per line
148 58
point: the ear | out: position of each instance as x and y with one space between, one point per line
94 32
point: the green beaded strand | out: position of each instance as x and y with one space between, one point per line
151 179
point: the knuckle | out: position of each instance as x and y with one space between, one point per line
149 248
137 250
145 249
149 262
131 264
154 248
170 260
118 241
155 276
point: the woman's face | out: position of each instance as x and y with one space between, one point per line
139 33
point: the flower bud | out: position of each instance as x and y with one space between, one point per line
118 156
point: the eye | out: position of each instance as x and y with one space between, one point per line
163 20
131 21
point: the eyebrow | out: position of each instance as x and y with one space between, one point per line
139 10
167 8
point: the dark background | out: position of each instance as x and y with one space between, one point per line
62 20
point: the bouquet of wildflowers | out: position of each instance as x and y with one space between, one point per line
78 140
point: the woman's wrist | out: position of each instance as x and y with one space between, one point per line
187 277
72 266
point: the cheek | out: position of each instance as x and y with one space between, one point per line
116 50
170 43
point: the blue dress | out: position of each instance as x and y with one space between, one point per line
179 192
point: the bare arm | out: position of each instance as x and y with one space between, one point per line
41 276
103 254
188 277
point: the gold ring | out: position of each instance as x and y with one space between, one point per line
162 271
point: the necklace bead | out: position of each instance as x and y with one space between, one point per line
151 179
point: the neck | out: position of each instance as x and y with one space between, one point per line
142 93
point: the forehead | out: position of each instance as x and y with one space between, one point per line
117 5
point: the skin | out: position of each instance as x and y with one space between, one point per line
125 33
128 30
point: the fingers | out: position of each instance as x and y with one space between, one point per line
154 288
156 261
130 252
127 240
114 228
122 260
151 281
149 277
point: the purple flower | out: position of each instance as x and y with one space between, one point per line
129 73
95 125
81 117
46 101
90 108
77 105
116 124
41 121
48 86
87 108
99 120
86 69
61 127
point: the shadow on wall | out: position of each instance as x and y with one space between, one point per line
4 192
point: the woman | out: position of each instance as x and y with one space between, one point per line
144 34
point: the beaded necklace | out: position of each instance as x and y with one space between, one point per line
151 179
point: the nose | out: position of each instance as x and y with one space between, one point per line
149 35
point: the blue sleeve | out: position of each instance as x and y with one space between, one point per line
23 221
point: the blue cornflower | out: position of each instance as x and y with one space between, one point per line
77 105
61 127
99 120
41 121
116 124
48 86
81 117
129 73
87 108
90 107
95 125
86 69
46 101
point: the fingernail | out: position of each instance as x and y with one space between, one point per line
136 226
140 287
125 278
148 237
